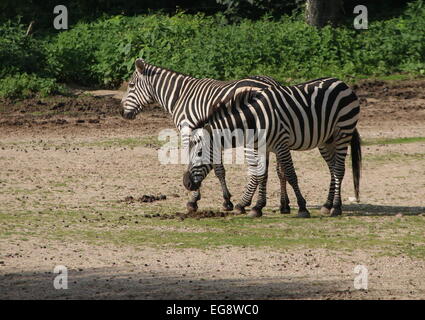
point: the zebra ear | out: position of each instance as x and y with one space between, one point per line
140 65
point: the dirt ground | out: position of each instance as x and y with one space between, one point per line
104 272
76 153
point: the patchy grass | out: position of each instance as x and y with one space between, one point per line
144 141
371 142
389 235
40 215
394 156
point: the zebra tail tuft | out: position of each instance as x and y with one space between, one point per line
356 162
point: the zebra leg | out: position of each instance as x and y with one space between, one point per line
284 158
339 171
250 188
284 199
328 153
192 205
247 196
256 211
221 175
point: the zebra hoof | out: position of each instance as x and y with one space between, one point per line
303 213
255 213
239 209
227 206
335 212
285 209
191 207
325 210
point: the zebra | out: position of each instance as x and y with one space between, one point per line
189 100
320 113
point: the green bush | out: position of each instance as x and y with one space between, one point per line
19 53
27 85
102 53
207 46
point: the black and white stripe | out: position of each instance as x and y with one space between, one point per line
322 113
189 100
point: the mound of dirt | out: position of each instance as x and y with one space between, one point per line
145 198
204 214
71 114
70 105
391 101
387 89
380 101
195 215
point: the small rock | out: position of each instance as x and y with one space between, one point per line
352 199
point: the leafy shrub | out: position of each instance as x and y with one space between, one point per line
19 53
207 46
27 85
102 53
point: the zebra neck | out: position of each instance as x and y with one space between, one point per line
167 86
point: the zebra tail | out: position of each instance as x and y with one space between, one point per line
356 162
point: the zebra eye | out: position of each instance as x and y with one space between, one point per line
200 153
131 84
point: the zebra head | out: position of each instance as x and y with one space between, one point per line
139 92
200 159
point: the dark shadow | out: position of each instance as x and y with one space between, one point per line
116 283
381 210
378 210
378 10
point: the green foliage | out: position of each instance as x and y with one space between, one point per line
236 9
19 53
102 53
25 85
205 46
83 10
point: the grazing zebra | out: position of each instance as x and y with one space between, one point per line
320 113
189 100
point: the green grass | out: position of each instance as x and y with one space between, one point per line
385 235
379 141
144 141
394 156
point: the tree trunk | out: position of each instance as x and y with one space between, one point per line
30 29
322 12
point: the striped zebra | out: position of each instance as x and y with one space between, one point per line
189 100
320 113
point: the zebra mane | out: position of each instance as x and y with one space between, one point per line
243 89
238 94
150 70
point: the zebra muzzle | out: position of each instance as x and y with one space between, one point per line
128 114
